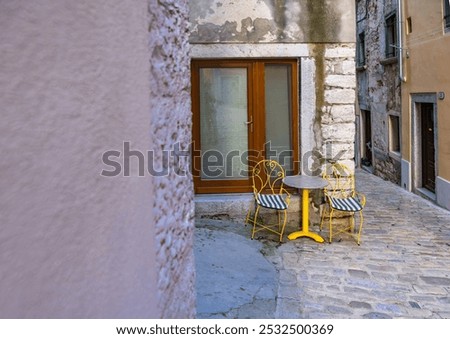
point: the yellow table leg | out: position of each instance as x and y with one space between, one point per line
305 221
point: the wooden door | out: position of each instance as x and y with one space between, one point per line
428 147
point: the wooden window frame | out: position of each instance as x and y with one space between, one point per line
390 25
256 112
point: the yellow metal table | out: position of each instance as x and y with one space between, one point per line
305 183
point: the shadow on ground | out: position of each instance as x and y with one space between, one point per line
234 277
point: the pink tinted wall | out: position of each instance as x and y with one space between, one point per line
74 84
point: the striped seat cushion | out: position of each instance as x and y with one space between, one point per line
346 204
271 201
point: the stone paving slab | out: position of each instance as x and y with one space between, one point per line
401 269
234 280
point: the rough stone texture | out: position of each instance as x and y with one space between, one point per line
335 99
252 21
334 126
379 88
74 84
171 125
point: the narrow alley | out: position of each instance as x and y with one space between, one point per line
399 271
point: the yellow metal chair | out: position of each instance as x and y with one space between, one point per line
341 196
268 193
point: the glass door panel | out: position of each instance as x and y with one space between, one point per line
223 123
278 115
243 111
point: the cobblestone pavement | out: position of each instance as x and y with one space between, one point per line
401 269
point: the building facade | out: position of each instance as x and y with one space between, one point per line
270 79
425 101
82 79
402 83
379 88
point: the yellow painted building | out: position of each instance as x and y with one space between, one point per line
424 42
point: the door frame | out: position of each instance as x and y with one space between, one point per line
416 142
256 112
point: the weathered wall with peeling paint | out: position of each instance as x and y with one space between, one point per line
379 85
320 34
251 21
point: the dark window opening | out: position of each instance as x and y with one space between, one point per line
366 138
394 133
361 51
391 36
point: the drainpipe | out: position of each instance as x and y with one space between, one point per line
400 40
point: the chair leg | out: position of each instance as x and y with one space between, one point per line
331 226
360 227
352 223
279 221
247 218
322 217
284 224
255 217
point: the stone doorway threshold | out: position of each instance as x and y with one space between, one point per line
235 206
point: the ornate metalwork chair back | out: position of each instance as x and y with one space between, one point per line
268 191
341 196
268 177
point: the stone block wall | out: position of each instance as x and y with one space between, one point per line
335 103
334 127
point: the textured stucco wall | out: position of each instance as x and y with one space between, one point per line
271 21
171 124
379 89
427 72
74 83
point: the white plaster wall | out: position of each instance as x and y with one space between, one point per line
74 82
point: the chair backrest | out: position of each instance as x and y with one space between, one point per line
268 177
341 181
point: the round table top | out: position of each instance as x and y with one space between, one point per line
305 181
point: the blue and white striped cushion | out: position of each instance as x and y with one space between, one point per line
271 201
346 204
